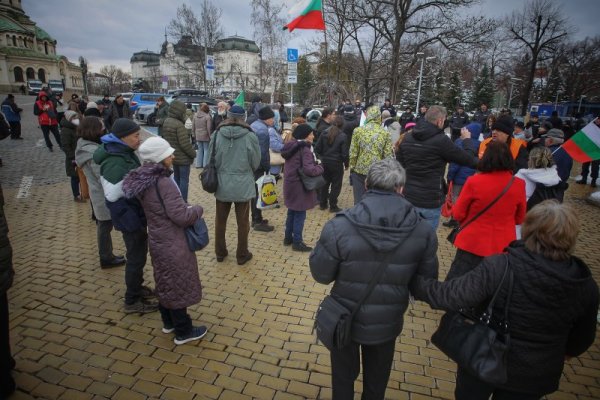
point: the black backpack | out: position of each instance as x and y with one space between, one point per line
543 192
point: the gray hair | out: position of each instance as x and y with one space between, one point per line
387 175
434 113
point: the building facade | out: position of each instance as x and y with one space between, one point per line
27 52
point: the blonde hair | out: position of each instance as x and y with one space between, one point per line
550 229
540 157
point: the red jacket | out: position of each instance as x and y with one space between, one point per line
492 231
38 109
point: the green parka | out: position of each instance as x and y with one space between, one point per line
174 132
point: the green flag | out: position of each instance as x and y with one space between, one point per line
240 99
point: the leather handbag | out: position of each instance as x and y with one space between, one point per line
455 231
196 235
276 158
333 321
208 177
309 182
448 203
475 344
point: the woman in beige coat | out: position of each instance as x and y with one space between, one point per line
202 128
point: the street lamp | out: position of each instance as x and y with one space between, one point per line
556 99
580 99
423 59
512 84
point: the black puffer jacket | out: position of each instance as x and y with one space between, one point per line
336 152
351 248
552 312
424 153
350 123
6 268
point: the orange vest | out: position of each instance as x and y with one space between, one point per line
515 145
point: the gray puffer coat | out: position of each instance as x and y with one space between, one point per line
84 152
355 243
175 265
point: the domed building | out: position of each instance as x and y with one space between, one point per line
28 53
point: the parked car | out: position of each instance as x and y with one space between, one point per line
144 114
140 99
34 86
187 92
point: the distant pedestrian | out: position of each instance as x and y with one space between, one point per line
118 109
68 138
12 112
161 112
47 118
92 110
387 106
502 131
457 121
481 117
202 128
406 117
332 150
220 116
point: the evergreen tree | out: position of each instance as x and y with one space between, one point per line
453 92
483 90
305 81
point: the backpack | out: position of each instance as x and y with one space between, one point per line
543 192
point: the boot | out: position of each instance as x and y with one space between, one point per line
593 184
582 181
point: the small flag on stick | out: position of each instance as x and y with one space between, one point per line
584 146
307 14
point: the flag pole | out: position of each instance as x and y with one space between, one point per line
328 77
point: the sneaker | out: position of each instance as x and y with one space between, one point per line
451 223
244 260
287 242
593 184
196 333
301 247
168 329
264 221
140 307
116 261
582 181
335 209
323 207
147 293
263 227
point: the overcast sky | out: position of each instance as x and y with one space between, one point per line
110 31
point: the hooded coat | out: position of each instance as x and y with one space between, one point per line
84 152
46 116
295 196
175 265
382 228
174 132
552 313
202 126
424 153
532 176
459 173
68 139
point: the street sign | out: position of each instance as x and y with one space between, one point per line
210 68
292 68
292 79
292 55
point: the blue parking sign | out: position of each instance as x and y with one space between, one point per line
292 55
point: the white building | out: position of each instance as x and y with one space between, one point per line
27 52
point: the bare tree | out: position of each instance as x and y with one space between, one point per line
540 28
117 79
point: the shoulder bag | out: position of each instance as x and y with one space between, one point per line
208 177
475 345
333 321
309 182
452 236
196 235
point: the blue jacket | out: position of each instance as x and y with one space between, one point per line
11 111
563 162
262 133
459 173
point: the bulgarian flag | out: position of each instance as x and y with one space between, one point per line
584 146
306 14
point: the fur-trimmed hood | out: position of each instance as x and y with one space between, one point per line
141 179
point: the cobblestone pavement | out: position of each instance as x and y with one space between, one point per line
72 341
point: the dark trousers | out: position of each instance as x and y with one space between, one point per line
376 362
181 174
469 387
176 318
294 225
256 213
46 129
243 224
15 129
333 174
136 244
358 186
463 263
7 383
105 247
75 185
585 169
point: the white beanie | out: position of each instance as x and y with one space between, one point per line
91 104
69 114
155 149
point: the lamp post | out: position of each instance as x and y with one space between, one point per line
556 99
580 99
512 84
423 58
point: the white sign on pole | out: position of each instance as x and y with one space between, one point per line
210 68
292 79
292 68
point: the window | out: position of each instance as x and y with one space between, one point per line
14 40
18 74
30 73
42 75
46 47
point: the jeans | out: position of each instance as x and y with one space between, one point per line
202 155
105 247
294 225
469 387
136 244
333 174
431 215
243 227
182 179
376 362
75 185
46 129
358 186
176 318
7 383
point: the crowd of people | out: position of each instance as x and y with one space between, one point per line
503 175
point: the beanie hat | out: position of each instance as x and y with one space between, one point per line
302 131
475 129
155 149
74 96
124 127
91 104
69 114
505 124
266 113
236 112
554 133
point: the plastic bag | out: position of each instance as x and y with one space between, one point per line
188 123
267 192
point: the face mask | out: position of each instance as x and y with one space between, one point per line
75 121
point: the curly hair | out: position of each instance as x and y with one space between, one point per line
540 157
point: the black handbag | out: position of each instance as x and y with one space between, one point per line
475 344
196 235
310 182
208 177
454 232
333 321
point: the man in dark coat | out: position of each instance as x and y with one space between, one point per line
12 112
7 363
424 153
118 109
350 122
481 117
458 120
383 230
406 117
387 105
266 119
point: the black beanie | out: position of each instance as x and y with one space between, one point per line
266 113
302 131
124 127
505 124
